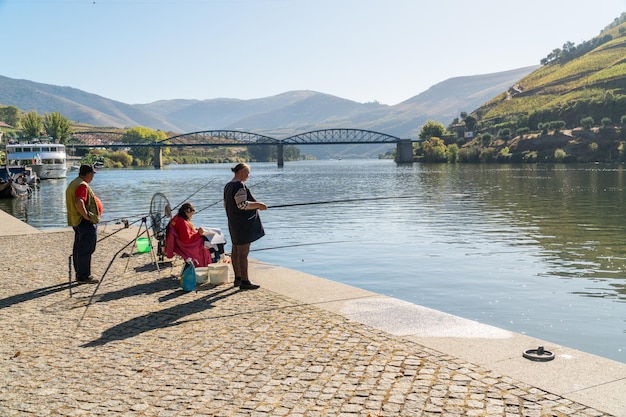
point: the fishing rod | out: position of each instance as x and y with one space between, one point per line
100 282
347 200
126 226
196 192
119 220
266 180
255 185
299 244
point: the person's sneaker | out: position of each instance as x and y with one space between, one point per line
89 280
247 285
237 282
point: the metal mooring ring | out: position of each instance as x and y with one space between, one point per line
539 354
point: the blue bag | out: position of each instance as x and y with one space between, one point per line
188 279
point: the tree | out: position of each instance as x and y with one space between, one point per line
470 123
142 135
121 158
291 153
505 133
569 47
504 154
557 125
432 129
453 152
10 115
486 139
263 153
559 154
32 125
587 122
434 150
57 126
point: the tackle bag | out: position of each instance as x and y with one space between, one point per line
189 278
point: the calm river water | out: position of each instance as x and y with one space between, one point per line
536 249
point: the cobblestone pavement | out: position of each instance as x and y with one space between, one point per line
136 345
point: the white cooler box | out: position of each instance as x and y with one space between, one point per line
218 273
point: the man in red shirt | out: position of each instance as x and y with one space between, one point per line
83 214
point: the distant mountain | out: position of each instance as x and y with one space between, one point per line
281 115
76 105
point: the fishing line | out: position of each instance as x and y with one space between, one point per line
347 200
299 244
255 185
126 226
118 220
196 192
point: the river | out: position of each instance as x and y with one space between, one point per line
535 249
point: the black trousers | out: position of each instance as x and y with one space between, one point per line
85 236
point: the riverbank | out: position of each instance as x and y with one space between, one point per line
301 345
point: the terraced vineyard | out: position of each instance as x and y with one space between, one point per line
581 81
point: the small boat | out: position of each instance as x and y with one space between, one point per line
47 159
13 189
20 190
20 173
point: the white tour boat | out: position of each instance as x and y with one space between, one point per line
47 160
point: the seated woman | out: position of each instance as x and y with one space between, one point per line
189 241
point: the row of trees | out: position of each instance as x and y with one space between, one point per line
33 125
571 51
605 142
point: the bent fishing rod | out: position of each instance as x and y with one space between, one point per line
347 200
211 181
299 244
255 185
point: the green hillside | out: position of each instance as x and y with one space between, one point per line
571 109
586 80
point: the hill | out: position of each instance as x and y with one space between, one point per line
576 81
571 109
282 115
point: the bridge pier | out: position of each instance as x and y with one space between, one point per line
158 157
404 151
280 156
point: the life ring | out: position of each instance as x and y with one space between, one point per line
539 354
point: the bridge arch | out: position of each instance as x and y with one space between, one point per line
222 137
340 136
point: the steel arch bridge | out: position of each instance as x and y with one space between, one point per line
239 138
93 139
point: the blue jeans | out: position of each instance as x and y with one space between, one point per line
85 236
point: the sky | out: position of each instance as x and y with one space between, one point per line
141 51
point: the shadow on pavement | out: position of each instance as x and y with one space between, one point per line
32 295
159 319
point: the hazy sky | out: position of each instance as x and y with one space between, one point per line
139 51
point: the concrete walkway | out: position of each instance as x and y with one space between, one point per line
136 345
